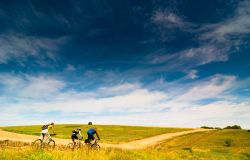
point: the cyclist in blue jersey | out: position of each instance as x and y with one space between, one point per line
91 132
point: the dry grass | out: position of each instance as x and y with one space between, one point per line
205 146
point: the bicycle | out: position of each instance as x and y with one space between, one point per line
93 145
77 145
4 144
48 143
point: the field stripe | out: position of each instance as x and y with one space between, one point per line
137 144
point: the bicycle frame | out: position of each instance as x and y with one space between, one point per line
47 142
48 139
95 141
77 142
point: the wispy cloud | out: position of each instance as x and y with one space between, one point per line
29 87
19 47
70 68
167 20
119 89
210 88
165 23
215 42
192 74
189 58
238 25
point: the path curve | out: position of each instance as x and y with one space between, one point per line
137 144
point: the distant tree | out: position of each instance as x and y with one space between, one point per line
233 127
90 123
206 127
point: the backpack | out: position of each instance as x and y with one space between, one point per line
45 127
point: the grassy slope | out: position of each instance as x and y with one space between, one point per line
209 145
107 133
205 146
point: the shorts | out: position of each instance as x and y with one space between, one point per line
91 137
45 131
73 137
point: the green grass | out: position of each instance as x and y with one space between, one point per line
209 145
197 146
107 133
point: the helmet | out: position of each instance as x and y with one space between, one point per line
78 129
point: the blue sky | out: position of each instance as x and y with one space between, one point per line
168 63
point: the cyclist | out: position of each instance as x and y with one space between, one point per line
75 133
91 132
45 130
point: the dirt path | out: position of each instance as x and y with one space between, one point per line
151 141
137 144
5 135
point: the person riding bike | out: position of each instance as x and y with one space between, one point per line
91 132
75 133
46 128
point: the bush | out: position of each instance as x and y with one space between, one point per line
248 130
206 127
233 127
90 123
228 142
188 149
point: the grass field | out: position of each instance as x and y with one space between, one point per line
206 146
209 145
107 133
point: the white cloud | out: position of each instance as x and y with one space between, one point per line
19 47
189 58
165 22
70 68
26 86
237 25
140 100
126 103
203 55
168 19
218 114
41 86
119 89
216 41
211 88
192 74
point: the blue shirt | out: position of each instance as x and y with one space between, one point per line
91 131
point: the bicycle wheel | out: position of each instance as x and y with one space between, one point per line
79 146
71 146
37 144
95 146
51 145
